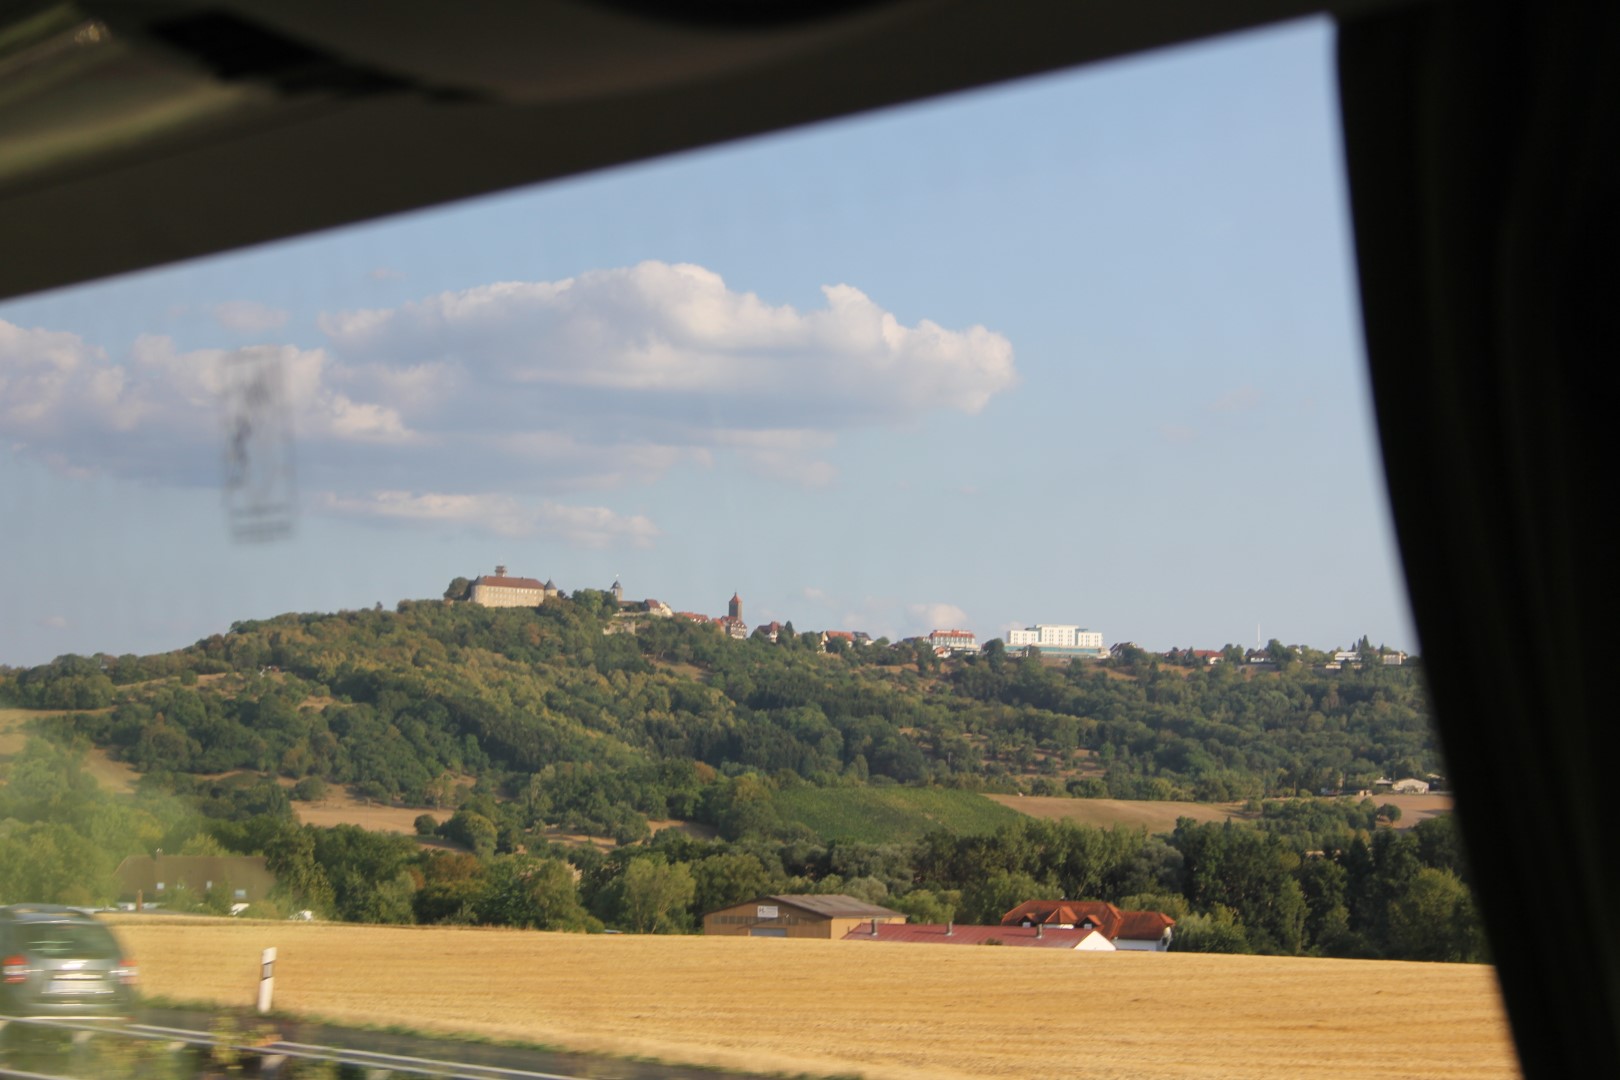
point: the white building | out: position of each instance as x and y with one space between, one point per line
954 641
1059 640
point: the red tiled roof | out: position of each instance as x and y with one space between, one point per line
1143 925
508 582
1116 924
935 934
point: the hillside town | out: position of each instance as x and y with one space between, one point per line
1059 643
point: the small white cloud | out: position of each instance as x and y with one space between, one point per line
55 622
501 515
249 316
936 616
385 273
814 595
1241 399
1178 434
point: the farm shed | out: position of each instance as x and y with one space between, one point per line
1146 931
1029 937
154 878
828 917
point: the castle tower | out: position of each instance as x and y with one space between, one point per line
617 591
735 610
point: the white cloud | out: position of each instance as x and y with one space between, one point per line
501 515
55 622
611 378
249 316
654 335
1241 399
937 616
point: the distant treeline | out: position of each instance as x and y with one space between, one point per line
1313 877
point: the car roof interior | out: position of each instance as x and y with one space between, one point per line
1482 163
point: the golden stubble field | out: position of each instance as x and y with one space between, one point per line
879 1010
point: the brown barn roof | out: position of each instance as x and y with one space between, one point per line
141 873
837 906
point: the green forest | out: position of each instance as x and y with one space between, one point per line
854 770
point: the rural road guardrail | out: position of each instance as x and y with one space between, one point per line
378 1053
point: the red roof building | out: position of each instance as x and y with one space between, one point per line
1138 930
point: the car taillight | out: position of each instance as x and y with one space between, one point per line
126 972
15 969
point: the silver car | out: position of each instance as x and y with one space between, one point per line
59 962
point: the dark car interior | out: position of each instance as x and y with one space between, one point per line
1483 165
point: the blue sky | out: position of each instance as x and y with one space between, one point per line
1081 349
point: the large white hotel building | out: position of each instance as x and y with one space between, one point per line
1056 640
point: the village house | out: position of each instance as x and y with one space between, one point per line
1145 931
953 642
153 879
1028 937
829 917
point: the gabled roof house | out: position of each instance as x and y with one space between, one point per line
1147 931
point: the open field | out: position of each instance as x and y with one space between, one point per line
887 815
881 1011
341 808
1159 817
1156 817
1416 808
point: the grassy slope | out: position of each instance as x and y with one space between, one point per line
889 815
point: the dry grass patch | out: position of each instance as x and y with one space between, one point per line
902 1011
1416 808
341 808
1156 817
12 735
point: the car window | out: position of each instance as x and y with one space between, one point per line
76 941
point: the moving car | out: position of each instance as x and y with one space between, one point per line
57 962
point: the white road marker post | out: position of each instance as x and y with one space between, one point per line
267 978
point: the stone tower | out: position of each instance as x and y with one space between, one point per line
734 611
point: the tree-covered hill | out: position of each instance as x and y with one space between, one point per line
601 729
853 770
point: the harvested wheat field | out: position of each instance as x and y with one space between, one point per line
1156 817
342 808
878 1010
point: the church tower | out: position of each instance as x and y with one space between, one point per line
735 610
618 592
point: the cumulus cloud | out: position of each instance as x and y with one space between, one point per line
249 316
655 337
500 515
610 378
937 616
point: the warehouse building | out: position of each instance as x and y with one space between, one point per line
828 917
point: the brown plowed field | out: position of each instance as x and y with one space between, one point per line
823 1007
